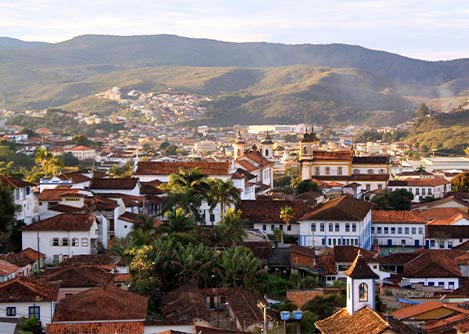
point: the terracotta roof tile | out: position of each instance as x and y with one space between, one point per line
348 254
166 168
64 222
363 321
184 304
352 178
326 264
106 303
445 325
332 155
433 263
257 158
23 258
244 303
268 211
126 183
7 269
396 217
80 148
419 182
414 310
209 330
97 328
372 160
75 177
341 208
101 260
49 195
447 231
441 213
11 182
24 289
77 276
360 269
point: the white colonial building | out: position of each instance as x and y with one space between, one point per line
423 187
26 202
343 221
64 236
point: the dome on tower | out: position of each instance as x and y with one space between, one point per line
267 140
309 137
239 139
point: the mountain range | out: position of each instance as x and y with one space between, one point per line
248 82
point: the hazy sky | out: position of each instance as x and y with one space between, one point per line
427 29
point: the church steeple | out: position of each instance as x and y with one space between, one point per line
239 146
307 144
360 285
267 146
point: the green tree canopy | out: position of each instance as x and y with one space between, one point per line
7 212
393 200
302 186
460 183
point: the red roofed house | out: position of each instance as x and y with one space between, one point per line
82 152
343 221
24 297
101 310
421 188
63 236
397 228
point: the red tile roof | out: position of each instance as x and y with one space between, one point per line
433 263
435 182
447 231
106 303
166 168
11 182
81 148
125 183
352 178
257 158
332 155
445 325
64 222
126 327
23 289
75 177
415 310
396 217
363 321
341 208
348 254
23 258
48 195
77 276
268 211
184 304
7 269
360 269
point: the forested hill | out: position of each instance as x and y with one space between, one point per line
174 50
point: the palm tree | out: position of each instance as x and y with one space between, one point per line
193 264
239 267
223 192
232 227
286 214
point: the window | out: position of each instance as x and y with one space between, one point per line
34 311
11 311
386 230
356 171
313 227
420 230
331 227
393 230
212 217
370 171
334 241
337 227
450 244
323 241
372 230
125 226
65 242
381 171
28 190
379 230
442 244
55 242
347 227
380 187
317 171
432 243
280 227
356 242
406 230
289 228
84 242
272 227
363 292
417 191
429 191
339 170
399 230
368 187
423 191
339 242
264 227
414 230
402 242
321 227
55 258
354 227
328 170
329 242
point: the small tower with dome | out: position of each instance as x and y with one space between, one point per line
239 146
360 285
267 147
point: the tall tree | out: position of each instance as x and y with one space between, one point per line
393 200
239 267
7 212
460 183
232 227
223 193
287 214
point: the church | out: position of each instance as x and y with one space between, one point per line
343 167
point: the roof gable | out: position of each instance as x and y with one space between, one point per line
342 208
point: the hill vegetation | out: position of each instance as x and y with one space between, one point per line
248 82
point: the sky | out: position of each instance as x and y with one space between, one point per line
424 29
